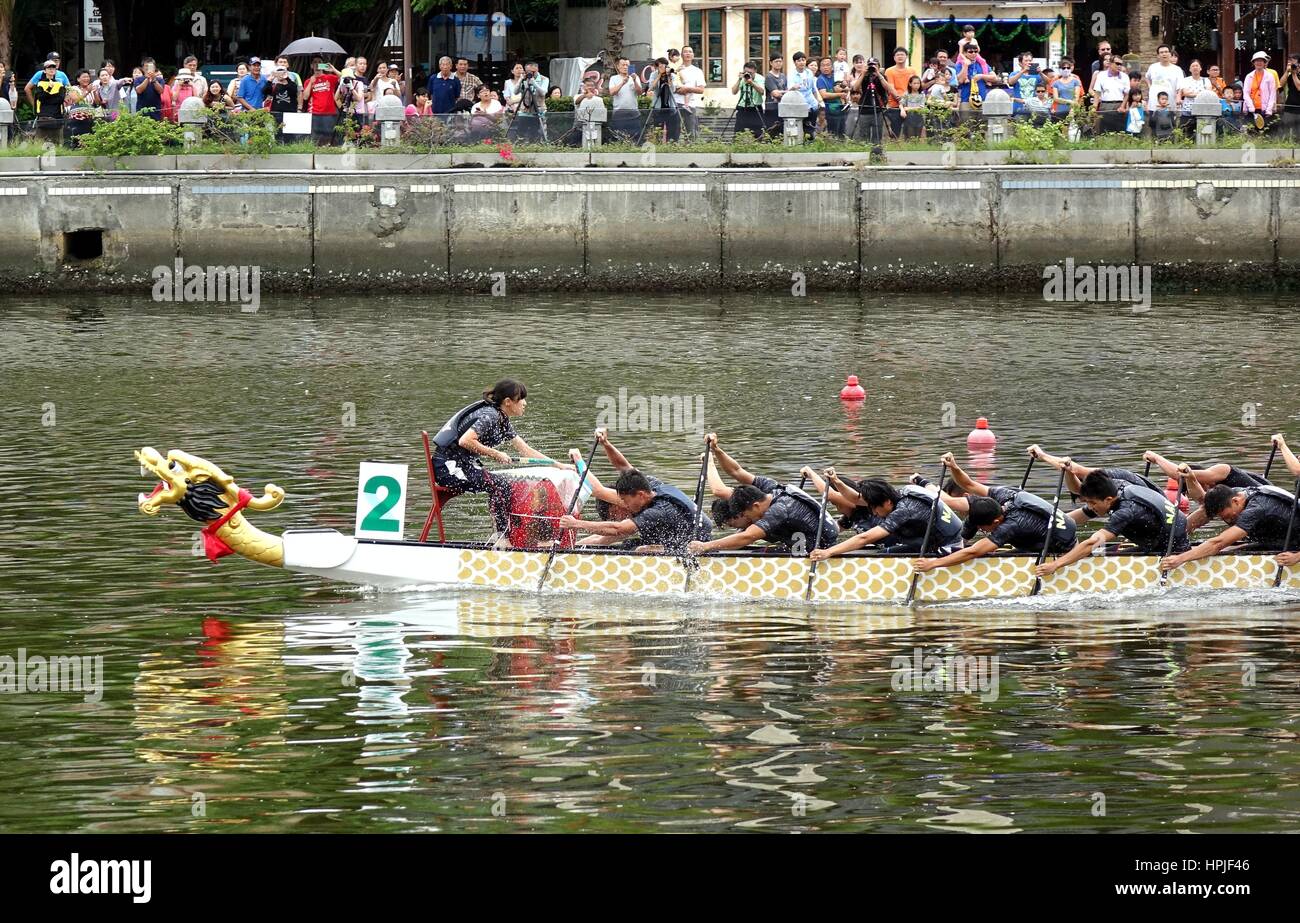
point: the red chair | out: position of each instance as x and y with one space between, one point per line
441 495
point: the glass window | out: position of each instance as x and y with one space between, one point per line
704 33
825 31
765 35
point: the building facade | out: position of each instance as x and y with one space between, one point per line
725 35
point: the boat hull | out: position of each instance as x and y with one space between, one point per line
865 579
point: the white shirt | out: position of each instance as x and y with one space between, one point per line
625 95
690 76
1163 77
840 70
1114 88
1193 85
492 108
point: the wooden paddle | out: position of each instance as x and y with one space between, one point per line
688 562
1286 542
821 522
1051 526
925 539
573 504
1173 523
1272 454
1028 468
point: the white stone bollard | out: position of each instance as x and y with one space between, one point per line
997 113
1206 110
6 120
390 113
592 116
792 110
192 118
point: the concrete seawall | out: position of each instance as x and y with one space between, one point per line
720 229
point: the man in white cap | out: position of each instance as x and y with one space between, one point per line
1259 90
37 77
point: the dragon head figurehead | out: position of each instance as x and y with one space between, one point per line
210 496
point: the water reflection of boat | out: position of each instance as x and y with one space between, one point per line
200 707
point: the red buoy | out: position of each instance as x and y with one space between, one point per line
981 437
1171 491
852 391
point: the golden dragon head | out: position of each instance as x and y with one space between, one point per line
196 485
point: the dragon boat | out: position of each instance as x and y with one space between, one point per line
209 495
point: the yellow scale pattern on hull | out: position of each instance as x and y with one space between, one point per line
855 579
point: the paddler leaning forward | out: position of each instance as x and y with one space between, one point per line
762 509
1260 515
901 518
1137 513
1006 516
472 434
663 516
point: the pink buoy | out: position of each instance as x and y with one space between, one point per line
981 437
1171 491
852 391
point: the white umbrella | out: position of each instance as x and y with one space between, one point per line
312 45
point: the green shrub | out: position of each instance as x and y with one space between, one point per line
131 136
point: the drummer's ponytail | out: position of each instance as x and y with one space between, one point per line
504 390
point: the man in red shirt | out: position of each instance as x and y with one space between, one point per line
322 90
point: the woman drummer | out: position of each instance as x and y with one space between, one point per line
472 435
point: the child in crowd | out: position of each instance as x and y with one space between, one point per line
1161 119
1136 114
911 109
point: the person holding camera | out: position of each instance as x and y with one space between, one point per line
873 99
149 88
283 95
526 97
774 85
624 88
663 101
1291 102
749 102
1024 82
326 94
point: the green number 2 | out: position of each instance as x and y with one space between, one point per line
375 520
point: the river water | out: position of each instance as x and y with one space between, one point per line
242 698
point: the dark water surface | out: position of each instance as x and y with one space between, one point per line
243 698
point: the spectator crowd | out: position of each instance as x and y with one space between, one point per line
847 97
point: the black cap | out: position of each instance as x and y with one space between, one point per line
982 512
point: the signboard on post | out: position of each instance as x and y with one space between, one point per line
381 501
93 23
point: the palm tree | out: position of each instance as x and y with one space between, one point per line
613 31
6 30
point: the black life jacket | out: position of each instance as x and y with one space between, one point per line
1060 527
677 497
1153 500
1024 500
807 500
918 493
457 426
1277 492
1239 477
